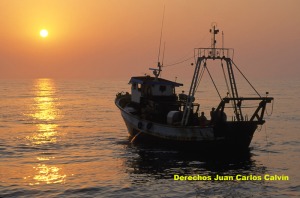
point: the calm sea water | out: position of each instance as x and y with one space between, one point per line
67 139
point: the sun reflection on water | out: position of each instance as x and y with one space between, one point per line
46 109
48 174
45 112
46 133
46 115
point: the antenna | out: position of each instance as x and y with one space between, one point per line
213 32
156 72
163 57
222 39
223 43
161 32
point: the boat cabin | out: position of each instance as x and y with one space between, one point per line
151 87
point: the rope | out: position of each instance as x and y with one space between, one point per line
271 109
176 63
213 81
246 79
267 140
184 60
201 75
244 107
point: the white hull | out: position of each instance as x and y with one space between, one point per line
232 134
167 131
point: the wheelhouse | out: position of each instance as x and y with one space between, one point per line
151 87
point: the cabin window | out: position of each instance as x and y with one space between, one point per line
162 88
139 87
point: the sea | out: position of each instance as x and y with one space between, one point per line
66 138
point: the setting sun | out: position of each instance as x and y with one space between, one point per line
43 33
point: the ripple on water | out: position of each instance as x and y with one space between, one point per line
61 141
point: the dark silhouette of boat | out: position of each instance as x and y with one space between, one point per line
154 112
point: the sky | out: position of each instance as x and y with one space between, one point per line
117 39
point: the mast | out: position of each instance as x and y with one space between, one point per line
189 103
213 53
213 32
234 91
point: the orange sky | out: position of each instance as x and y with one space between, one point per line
116 39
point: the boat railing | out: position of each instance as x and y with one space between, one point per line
257 115
214 53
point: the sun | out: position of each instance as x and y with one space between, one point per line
44 33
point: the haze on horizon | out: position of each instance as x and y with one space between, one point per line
116 39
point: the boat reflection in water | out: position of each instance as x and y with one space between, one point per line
161 162
45 115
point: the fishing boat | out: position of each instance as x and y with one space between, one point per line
155 112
